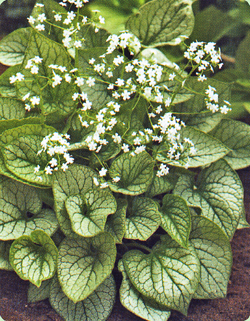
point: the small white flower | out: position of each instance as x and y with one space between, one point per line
64 167
104 185
58 17
103 172
95 180
116 179
40 27
48 170
35 100
36 169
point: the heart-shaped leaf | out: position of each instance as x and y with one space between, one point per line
218 193
135 172
214 252
169 274
135 302
34 257
84 263
143 219
21 211
161 22
88 212
97 306
176 218
78 179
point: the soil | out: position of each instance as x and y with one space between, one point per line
235 307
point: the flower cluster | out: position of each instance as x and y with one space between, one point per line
55 145
212 100
125 79
204 56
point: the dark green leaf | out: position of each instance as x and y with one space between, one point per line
84 263
34 257
161 22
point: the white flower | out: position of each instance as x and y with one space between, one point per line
35 100
48 170
31 20
40 27
19 76
101 20
125 148
95 180
53 162
104 185
41 17
36 169
116 179
58 17
117 138
172 76
64 167
90 82
103 172
78 43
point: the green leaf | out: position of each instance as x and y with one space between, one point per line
169 274
176 218
6 88
78 179
34 257
13 46
21 211
194 111
236 136
84 263
97 306
143 219
135 302
115 224
208 149
161 22
135 172
20 147
214 252
11 109
218 192
242 56
211 24
4 255
88 212
36 294
53 100
160 185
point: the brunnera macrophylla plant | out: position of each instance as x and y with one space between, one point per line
112 157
